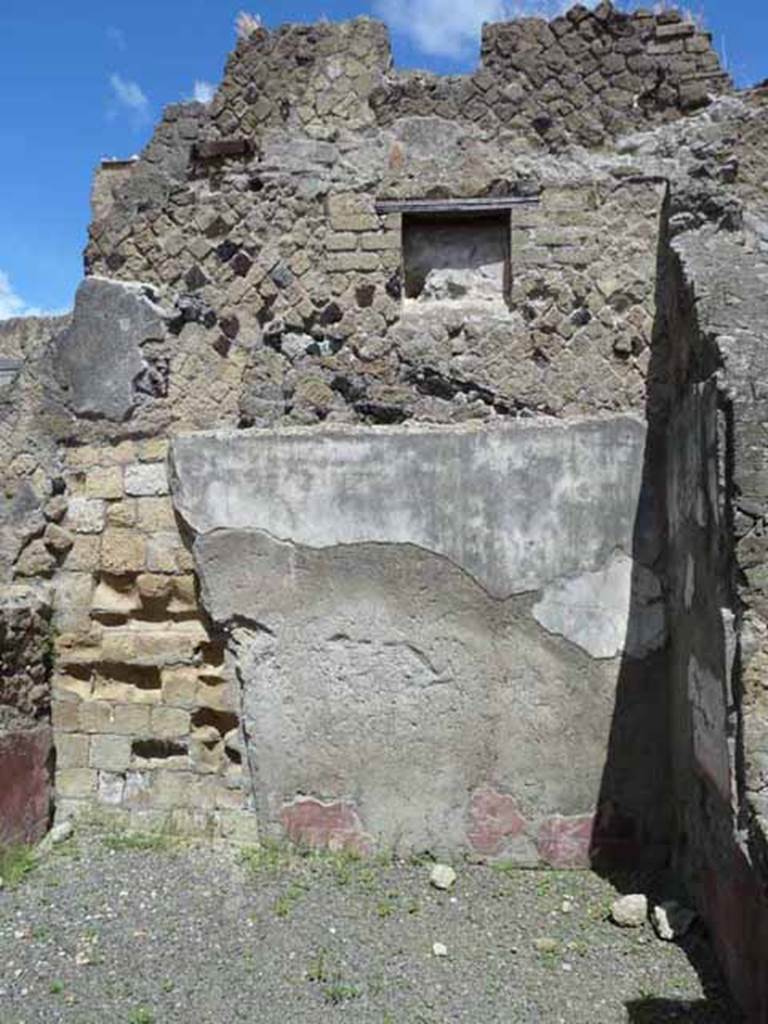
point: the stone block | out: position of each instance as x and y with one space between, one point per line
104 482
169 723
94 717
351 212
110 753
341 241
57 539
76 783
81 647
74 591
166 553
66 687
381 242
112 600
35 560
184 599
121 513
175 789
118 646
146 478
65 716
180 686
676 31
153 449
85 515
162 647
217 697
110 788
207 753
122 551
155 514
348 261
153 586
84 554
129 719
72 750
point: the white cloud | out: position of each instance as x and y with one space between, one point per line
203 92
130 96
451 28
444 28
12 304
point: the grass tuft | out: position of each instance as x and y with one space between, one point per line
16 862
141 841
339 992
141 1015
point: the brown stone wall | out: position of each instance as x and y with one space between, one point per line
146 718
309 325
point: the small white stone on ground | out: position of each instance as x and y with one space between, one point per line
443 876
630 911
58 834
438 949
62 832
671 920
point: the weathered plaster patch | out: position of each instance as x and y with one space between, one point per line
566 842
334 825
98 358
516 506
495 821
618 608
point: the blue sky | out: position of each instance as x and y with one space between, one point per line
87 78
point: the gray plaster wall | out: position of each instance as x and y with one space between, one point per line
429 626
515 506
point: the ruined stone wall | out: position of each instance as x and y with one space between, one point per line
270 295
713 319
230 617
145 715
258 217
243 273
30 501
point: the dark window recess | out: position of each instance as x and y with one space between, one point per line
457 257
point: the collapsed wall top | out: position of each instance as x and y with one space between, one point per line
583 76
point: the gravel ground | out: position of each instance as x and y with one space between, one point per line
116 928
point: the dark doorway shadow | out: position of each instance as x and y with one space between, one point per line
667 1011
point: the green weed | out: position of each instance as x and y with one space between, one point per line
143 842
318 970
16 862
339 992
141 1015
